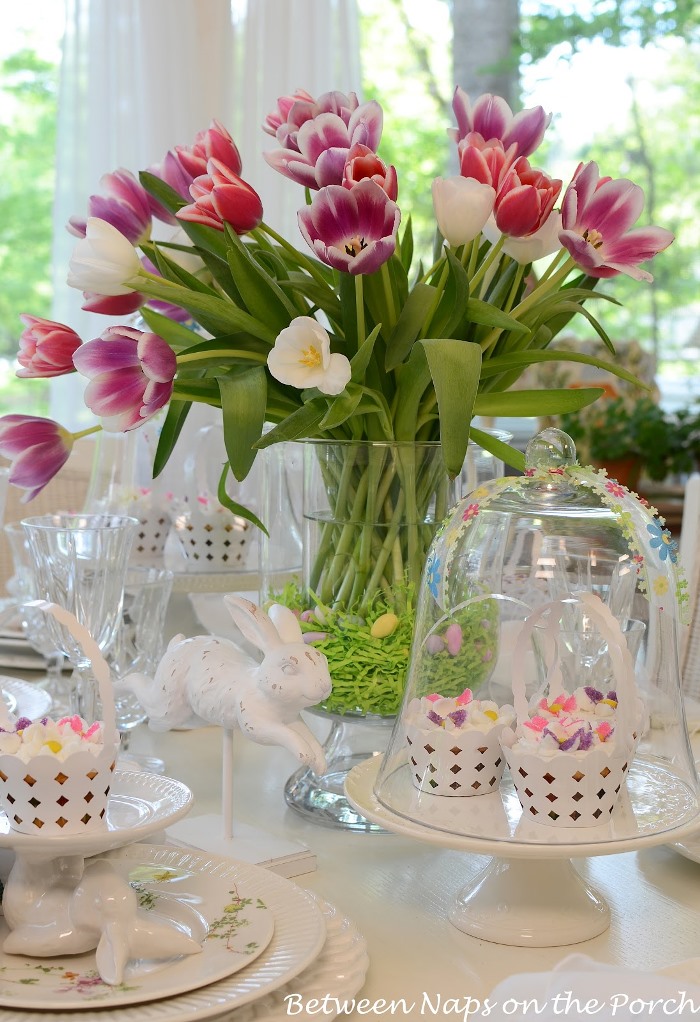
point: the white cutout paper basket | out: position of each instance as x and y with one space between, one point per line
574 788
455 762
51 796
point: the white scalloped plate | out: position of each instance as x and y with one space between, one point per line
207 902
339 971
299 936
139 805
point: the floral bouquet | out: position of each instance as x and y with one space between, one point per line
342 339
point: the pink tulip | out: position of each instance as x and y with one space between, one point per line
38 449
131 376
525 199
492 118
126 206
487 162
597 214
363 163
183 164
46 348
291 112
351 229
220 196
112 305
316 146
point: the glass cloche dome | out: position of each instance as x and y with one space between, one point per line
543 700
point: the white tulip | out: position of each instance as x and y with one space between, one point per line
103 260
302 358
462 206
542 243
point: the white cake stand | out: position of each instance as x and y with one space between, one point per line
48 868
529 895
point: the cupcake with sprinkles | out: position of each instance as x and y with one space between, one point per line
454 743
569 753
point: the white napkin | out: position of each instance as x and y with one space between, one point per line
581 988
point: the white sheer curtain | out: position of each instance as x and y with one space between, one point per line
139 76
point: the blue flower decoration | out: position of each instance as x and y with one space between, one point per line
662 540
433 576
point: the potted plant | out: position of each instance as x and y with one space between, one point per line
628 434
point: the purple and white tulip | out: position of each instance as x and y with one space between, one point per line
597 217
46 348
302 358
491 117
131 376
103 260
352 229
38 449
125 206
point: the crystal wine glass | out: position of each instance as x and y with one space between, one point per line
22 588
80 563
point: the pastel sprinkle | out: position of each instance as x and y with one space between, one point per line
53 745
491 714
433 697
465 698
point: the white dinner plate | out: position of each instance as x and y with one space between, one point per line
298 939
23 699
139 805
209 903
338 972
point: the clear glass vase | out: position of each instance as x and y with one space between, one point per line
346 552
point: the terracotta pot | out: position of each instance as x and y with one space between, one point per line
626 470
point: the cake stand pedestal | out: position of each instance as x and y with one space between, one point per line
530 894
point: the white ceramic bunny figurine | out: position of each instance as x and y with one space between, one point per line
65 906
211 680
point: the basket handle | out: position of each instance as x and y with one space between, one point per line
620 656
100 666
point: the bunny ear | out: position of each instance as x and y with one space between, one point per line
253 622
285 622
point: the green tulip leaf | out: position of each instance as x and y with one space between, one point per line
233 506
499 449
170 431
243 403
454 368
409 324
536 402
300 425
263 297
342 407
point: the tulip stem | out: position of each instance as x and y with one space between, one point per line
388 296
553 282
493 253
359 310
86 432
301 260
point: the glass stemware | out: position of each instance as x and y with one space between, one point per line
22 588
80 563
138 647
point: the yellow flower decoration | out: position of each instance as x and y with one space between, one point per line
660 585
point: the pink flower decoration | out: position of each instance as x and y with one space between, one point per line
612 486
536 724
471 512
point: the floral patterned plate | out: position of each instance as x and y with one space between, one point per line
233 922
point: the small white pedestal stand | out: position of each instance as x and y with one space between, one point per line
217 833
48 868
530 894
